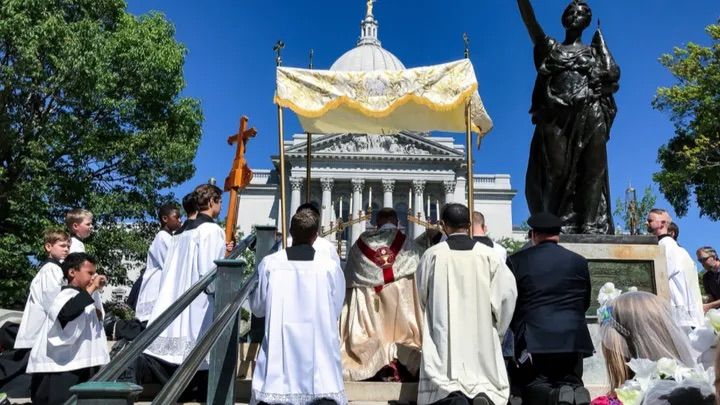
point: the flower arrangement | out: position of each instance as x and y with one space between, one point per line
648 373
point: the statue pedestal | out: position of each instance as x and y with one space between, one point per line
627 261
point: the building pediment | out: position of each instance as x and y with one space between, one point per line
400 145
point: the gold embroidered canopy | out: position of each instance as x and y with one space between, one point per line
430 98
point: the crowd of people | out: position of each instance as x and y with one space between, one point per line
451 311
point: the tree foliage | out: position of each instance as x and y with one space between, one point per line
642 209
90 116
691 159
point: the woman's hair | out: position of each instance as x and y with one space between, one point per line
641 327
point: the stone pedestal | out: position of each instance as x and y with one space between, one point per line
627 261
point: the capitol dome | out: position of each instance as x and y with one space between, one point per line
368 54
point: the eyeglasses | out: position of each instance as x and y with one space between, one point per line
704 259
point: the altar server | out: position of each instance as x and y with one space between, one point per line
71 344
322 246
197 247
381 321
468 296
44 287
300 295
80 226
149 283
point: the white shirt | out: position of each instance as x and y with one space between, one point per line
45 286
299 360
80 344
197 249
76 245
150 284
468 298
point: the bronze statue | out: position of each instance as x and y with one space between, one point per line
573 109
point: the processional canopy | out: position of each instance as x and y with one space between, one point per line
429 98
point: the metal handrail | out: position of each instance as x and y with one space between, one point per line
172 390
116 366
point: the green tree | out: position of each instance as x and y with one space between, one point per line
643 207
690 161
90 116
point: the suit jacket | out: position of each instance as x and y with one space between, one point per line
553 286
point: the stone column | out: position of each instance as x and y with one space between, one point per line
327 185
418 205
296 184
388 188
449 186
357 187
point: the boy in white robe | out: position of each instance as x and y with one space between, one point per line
381 322
149 283
196 249
300 295
71 344
468 296
79 224
44 287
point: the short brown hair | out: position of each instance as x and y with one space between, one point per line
478 218
55 235
304 226
77 215
205 193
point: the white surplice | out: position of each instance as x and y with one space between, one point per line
682 298
80 344
45 286
196 250
299 360
76 245
150 284
468 297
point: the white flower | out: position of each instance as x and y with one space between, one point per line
713 316
667 367
703 338
607 293
645 371
633 289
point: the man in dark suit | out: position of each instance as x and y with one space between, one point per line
551 335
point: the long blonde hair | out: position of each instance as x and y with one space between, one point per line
641 327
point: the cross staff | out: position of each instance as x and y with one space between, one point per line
240 175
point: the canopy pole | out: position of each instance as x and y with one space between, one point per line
281 146
469 152
308 157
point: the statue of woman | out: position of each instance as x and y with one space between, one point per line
573 109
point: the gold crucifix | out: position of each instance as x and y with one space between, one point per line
279 45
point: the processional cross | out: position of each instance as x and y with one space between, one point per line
240 175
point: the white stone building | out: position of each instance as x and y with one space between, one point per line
412 172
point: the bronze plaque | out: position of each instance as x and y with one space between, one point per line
624 274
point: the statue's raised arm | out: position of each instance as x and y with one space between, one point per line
528 15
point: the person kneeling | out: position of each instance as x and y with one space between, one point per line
72 344
300 295
468 297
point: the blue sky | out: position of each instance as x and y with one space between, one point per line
230 69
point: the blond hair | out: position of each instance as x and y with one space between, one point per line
55 235
77 215
641 327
